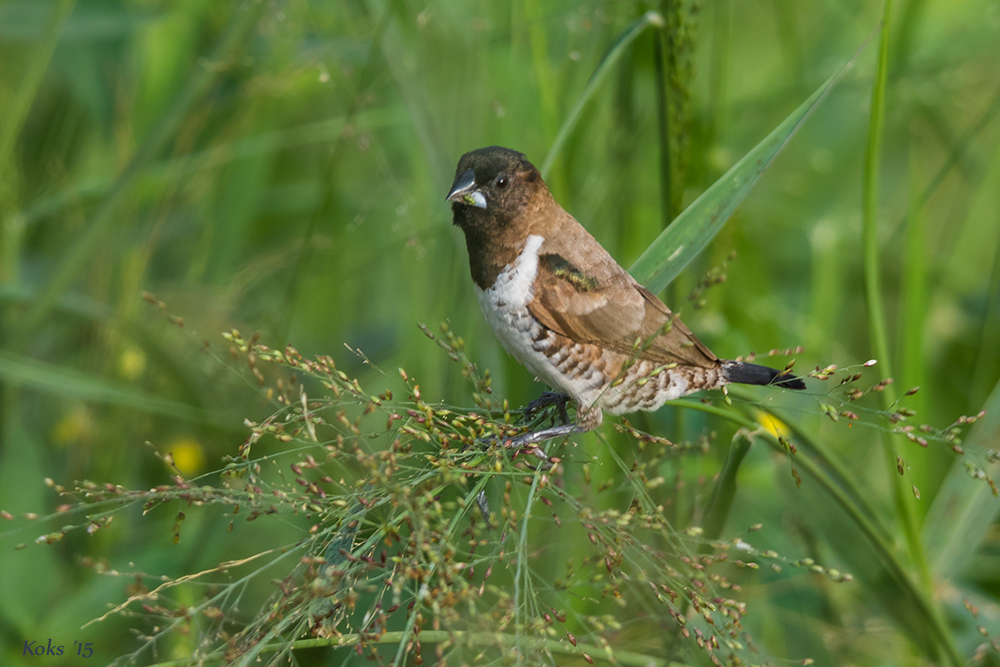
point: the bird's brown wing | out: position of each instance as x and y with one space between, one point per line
602 304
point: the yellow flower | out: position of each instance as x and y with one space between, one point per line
189 457
772 424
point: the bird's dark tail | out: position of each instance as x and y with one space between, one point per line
743 373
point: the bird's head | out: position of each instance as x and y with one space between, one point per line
492 186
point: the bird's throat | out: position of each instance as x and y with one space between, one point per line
492 247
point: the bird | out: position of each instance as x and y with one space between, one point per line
561 305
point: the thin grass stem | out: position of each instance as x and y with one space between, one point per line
602 69
486 639
873 296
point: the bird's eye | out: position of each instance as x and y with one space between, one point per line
501 183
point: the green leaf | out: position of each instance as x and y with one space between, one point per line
964 508
691 231
721 503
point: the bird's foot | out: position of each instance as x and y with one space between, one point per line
527 443
484 506
556 398
534 437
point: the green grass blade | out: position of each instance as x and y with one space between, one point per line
17 108
963 512
873 161
873 294
244 19
609 59
691 231
904 500
826 459
914 294
858 513
65 382
545 78
11 123
721 502
958 153
558 646
661 44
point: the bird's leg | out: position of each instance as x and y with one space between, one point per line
484 506
555 398
527 442
586 420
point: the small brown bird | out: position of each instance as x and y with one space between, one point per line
564 308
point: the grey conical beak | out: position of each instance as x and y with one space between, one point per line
463 190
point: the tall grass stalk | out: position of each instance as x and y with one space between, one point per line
660 44
873 278
877 329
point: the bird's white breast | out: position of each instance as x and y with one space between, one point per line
505 306
505 302
514 287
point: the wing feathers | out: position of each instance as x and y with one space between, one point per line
605 306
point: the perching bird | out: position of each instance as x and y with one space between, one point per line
563 307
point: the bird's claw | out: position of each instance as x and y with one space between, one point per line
556 398
546 462
523 444
484 506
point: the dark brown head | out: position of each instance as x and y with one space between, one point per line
492 187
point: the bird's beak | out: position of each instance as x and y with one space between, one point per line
463 190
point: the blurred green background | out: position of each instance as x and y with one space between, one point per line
281 166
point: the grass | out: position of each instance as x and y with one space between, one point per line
281 169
